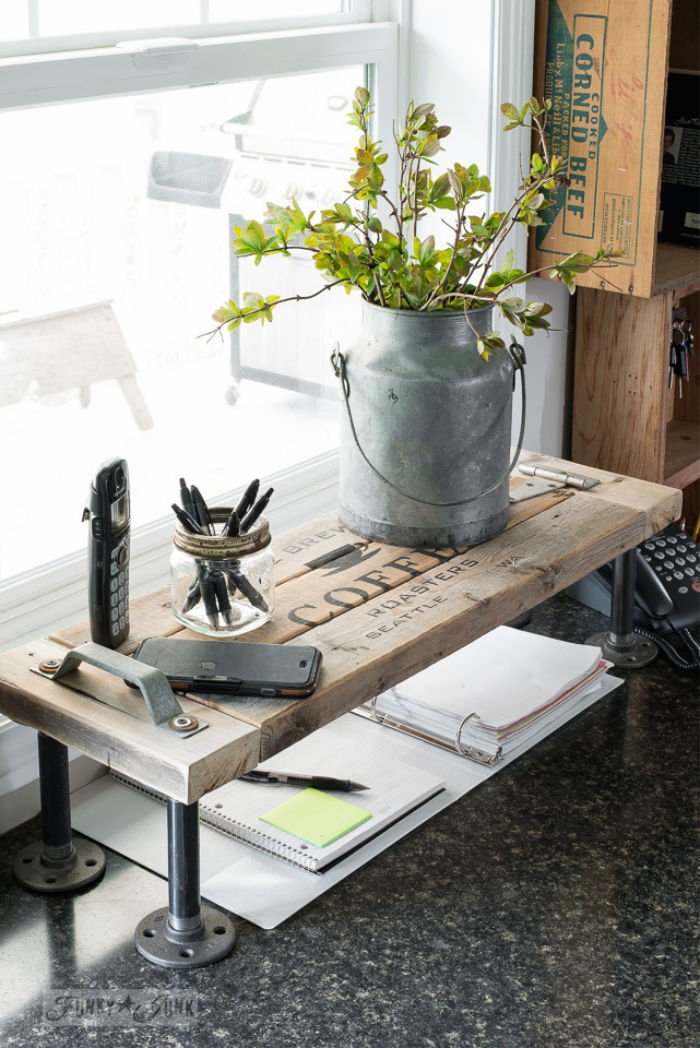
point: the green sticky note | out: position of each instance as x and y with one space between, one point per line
316 817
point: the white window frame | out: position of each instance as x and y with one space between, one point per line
164 63
351 11
39 601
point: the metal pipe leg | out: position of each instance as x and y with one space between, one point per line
621 645
57 863
184 934
183 866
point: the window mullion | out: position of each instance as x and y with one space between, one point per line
33 18
131 69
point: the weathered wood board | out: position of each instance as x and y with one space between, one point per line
377 613
109 722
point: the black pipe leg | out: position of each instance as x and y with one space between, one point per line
621 645
57 863
184 934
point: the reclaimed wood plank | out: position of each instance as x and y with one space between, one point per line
393 635
298 552
363 573
151 614
659 504
108 721
391 612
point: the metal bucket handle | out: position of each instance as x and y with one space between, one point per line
517 355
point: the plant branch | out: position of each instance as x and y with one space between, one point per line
453 254
218 330
415 200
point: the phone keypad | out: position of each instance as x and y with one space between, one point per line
119 589
675 558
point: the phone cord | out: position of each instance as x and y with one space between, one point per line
670 652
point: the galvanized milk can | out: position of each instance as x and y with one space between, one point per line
425 429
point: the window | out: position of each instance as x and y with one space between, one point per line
24 20
117 204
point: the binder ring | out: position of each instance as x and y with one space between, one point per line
466 751
372 710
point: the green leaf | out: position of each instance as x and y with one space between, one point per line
423 110
511 112
489 343
455 184
222 314
426 249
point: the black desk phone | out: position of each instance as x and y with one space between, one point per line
668 581
666 596
667 590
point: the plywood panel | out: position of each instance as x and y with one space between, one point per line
619 381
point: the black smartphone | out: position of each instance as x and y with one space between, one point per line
287 671
108 553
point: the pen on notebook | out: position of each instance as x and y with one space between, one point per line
318 782
249 496
257 509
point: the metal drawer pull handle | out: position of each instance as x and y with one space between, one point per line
160 700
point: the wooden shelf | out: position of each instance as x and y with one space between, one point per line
677 268
682 464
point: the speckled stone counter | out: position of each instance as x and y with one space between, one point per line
556 906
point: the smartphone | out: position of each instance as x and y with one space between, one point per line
108 512
234 668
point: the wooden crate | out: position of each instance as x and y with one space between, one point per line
604 66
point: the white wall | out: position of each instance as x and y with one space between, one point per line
451 60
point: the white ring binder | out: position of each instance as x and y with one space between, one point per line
473 752
369 709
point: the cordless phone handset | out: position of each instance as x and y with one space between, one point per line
108 553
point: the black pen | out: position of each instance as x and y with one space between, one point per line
232 526
317 782
230 581
202 510
248 590
208 591
219 582
249 497
257 509
188 522
186 499
194 595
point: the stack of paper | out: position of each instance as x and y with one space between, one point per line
503 689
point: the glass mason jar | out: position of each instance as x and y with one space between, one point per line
221 585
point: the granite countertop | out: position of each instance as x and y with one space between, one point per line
555 906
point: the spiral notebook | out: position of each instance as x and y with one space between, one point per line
242 809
